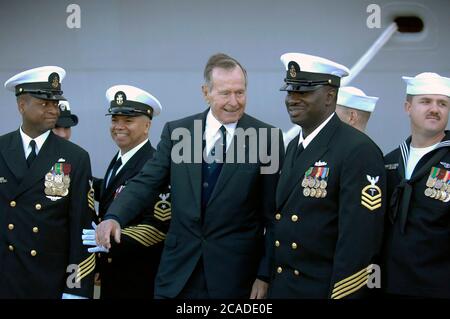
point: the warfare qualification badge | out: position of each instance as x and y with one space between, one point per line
371 194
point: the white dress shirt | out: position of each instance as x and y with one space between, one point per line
40 140
212 131
314 133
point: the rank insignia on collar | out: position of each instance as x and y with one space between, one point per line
3 180
371 194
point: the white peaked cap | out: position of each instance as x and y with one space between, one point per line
355 98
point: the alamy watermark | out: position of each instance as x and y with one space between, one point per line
73 21
247 146
374 19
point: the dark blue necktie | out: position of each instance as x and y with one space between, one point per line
211 170
32 155
116 166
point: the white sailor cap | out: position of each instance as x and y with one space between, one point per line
355 98
306 72
427 83
66 118
43 83
132 101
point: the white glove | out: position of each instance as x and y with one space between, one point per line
70 296
88 238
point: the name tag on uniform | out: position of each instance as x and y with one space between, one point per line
391 167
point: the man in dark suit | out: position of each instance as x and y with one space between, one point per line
128 270
215 244
45 191
416 250
330 198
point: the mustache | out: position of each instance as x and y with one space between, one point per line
433 116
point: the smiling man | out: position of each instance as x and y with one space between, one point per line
330 199
128 269
43 198
417 246
215 246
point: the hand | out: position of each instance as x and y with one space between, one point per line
105 230
88 238
259 289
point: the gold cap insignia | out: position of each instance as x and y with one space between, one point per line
54 80
120 98
292 71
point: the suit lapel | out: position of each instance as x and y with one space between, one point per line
194 168
287 168
314 151
15 157
47 156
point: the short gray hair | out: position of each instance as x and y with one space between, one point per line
221 60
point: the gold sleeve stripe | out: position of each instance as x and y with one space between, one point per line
140 235
141 239
351 291
145 235
83 274
86 267
81 268
87 260
367 269
350 285
148 228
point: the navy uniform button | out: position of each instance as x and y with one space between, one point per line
11 226
12 204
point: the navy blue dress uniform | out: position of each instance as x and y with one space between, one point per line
128 270
44 206
330 201
223 238
416 251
